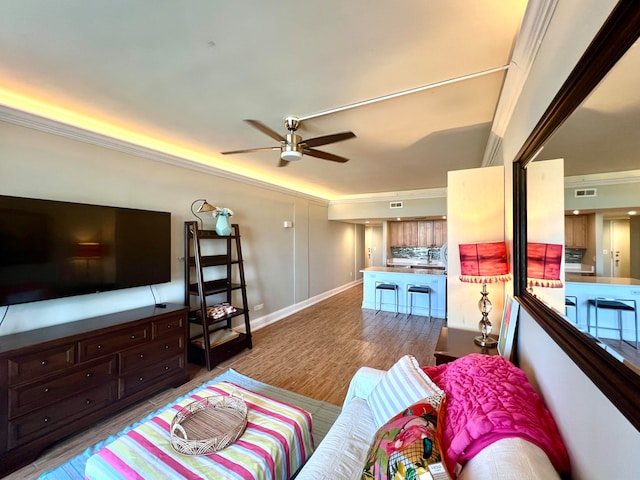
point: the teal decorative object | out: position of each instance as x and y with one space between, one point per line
223 228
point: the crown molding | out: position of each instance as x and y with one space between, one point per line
440 192
600 179
29 120
534 26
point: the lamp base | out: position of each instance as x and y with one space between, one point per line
488 342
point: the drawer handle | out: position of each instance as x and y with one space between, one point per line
142 355
44 363
166 367
46 419
166 347
88 401
141 379
46 389
89 374
133 337
99 346
168 327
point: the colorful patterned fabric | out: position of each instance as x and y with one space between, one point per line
275 444
406 446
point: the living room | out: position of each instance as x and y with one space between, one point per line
294 267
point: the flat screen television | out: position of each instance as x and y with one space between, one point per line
51 249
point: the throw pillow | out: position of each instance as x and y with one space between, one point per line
407 446
404 384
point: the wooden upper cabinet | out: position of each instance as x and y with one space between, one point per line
439 232
410 237
395 234
575 231
423 233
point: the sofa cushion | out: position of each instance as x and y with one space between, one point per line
407 445
342 452
404 384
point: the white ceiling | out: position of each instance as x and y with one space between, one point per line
188 73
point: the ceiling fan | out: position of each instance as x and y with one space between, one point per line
292 147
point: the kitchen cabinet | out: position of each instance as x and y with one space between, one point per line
432 233
403 234
422 233
575 231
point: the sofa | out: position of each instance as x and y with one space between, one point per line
478 436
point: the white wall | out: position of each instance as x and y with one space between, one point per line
545 219
601 442
475 214
283 267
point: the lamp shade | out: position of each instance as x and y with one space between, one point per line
484 263
543 265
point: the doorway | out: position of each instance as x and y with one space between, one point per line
619 253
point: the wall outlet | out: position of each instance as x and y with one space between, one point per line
260 306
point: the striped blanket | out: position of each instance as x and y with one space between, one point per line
276 442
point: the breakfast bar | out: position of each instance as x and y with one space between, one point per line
585 288
434 278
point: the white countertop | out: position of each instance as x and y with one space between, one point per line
601 280
578 268
408 271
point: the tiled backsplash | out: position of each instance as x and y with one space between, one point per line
573 255
416 252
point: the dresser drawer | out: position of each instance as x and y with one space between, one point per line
46 362
112 343
151 375
55 415
52 390
136 359
168 326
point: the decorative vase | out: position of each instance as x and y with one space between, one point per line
222 226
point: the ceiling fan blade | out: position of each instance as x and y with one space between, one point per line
283 163
248 150
266 130
324 155
326 139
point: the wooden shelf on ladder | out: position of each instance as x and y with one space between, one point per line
214 278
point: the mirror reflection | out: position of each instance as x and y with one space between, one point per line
600 148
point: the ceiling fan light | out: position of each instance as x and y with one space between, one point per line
290 155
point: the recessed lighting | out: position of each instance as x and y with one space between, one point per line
398 218
444 217
632 212
576 212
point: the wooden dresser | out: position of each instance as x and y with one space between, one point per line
57 380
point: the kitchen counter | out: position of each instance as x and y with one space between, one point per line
434 278
578 268
422 270
585 288
600 280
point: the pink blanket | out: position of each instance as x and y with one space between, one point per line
487 399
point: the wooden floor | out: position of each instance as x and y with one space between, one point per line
314 352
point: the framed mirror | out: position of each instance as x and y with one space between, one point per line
592 125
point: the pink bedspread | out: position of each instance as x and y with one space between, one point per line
487 399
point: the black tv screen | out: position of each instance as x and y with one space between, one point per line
51 249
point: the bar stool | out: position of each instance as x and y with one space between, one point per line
619 305
571 301
414 289
382 286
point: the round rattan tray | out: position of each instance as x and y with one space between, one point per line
208 425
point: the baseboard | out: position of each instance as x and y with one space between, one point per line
260 322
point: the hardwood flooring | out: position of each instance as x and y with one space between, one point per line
314 352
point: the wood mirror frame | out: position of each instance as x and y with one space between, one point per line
619 382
